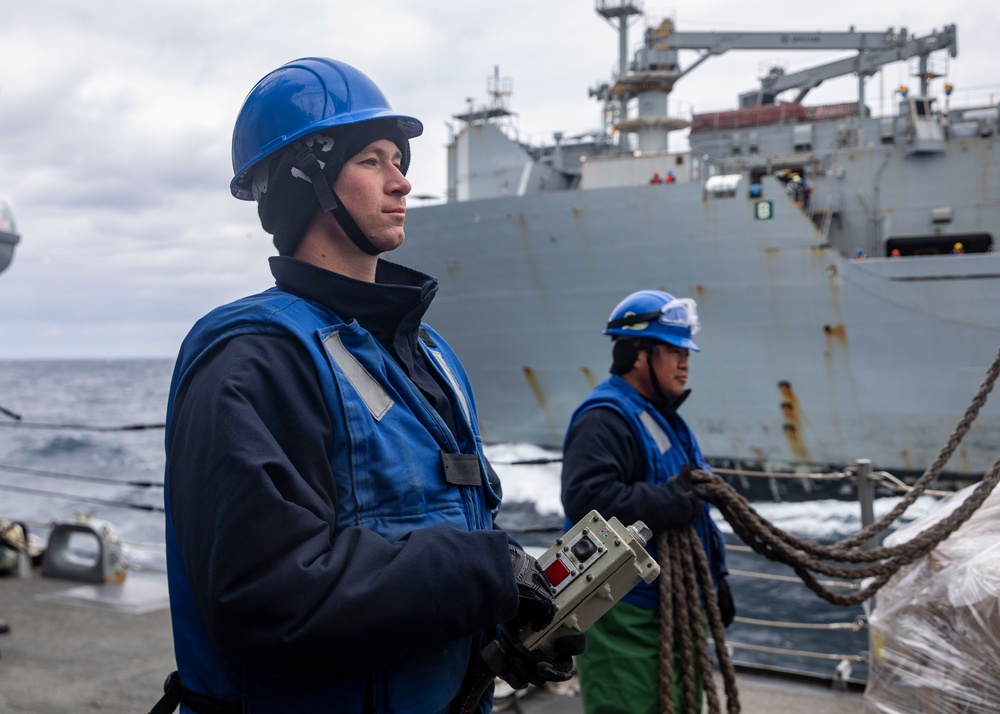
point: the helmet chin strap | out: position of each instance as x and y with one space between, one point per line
307 162
353 231
661 398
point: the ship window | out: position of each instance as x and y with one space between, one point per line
938 244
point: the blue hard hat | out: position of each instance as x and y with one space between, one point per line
301 98
656 315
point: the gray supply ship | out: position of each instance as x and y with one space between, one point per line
843 263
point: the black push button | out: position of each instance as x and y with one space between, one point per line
583 549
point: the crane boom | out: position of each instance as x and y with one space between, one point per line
874 49
656 67
864 64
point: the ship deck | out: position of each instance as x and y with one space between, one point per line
108 648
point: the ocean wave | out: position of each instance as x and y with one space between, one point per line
829 519
531 474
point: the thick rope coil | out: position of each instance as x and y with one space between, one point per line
718 631
667 590
684 575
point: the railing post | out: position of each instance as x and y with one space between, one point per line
866 496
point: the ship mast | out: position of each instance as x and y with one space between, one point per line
621 11
650 81
619 15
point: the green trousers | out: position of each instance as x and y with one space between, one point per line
620 671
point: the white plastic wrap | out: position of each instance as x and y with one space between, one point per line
935 626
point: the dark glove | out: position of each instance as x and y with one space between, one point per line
520 667
684 503
727 607
535 606
688 482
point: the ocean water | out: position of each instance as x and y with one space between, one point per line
90 441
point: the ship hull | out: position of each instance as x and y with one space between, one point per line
808 358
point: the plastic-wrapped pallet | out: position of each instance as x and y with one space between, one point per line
935 626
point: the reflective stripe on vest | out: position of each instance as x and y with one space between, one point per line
370 391
439 358
660 437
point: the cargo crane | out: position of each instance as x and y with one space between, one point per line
655 68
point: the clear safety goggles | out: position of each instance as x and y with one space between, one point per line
679 312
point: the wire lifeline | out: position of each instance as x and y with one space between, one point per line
82 499
857 658
78 477
856 626
81 427
843 585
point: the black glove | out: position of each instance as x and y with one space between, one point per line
520 667
727 607
535 606
685 478
684 503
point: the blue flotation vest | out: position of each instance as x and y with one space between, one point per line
665 450
391 478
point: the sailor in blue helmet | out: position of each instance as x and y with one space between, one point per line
329 509
625 454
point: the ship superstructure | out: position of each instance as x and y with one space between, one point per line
843 262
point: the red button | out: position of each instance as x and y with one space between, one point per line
556 572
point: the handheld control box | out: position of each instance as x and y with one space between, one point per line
591 567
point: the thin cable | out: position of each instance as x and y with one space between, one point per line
77 477
82 427
82 499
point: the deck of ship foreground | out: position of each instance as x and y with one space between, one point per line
108 648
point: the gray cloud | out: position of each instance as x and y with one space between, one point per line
116 118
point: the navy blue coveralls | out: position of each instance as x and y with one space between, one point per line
320 557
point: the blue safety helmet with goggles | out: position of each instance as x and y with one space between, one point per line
656 315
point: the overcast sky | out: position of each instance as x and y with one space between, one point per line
116 119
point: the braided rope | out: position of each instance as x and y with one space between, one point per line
684 575
684 566
696 630
666 654
806 557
